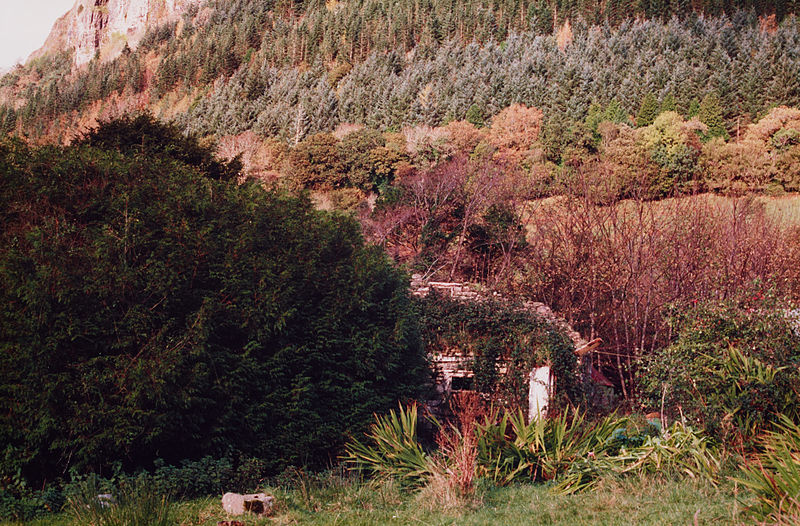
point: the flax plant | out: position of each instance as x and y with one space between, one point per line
391 449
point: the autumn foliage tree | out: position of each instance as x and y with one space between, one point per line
316 163
514 132
765 159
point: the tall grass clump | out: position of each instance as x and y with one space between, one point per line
774 475
134 504
445 477
452 480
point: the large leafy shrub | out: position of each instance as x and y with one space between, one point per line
674 147
151 309
732 367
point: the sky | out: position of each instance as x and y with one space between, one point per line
24 25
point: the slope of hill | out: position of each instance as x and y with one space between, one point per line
226 66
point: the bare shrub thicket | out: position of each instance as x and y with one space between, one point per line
614 270
612 266
463 219
261 158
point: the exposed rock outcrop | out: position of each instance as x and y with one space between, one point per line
105 26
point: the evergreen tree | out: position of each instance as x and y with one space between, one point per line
475 116
668 104
594 117
648 110
614 112
751 69
710 114
694 108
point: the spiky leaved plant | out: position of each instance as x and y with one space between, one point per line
774 476
511 449
391 449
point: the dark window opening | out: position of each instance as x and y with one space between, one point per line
461 383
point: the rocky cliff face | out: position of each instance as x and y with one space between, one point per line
105 26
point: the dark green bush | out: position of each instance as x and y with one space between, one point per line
152 308
143 135
20 502
190 479
20 507
206 476
355 150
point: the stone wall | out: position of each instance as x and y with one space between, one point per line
474 292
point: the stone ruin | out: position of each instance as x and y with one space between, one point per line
452 372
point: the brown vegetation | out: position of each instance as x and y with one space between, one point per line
471 203
612 266
615 270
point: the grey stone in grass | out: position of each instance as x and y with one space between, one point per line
106 500
237 504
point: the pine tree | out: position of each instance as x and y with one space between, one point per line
710 114
694 108
301 124
668 104
615 113
475 116
594 117
648 111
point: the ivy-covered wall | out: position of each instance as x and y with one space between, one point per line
498 340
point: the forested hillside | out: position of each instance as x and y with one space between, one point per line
447 129
289 70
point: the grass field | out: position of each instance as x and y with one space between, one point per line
634 501
784 209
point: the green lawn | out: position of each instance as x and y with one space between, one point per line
634 501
